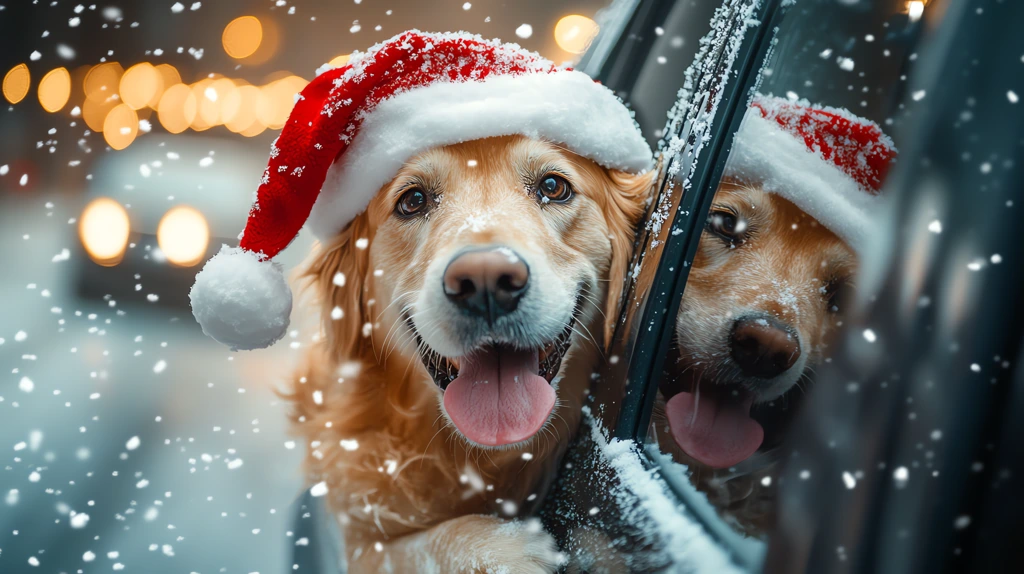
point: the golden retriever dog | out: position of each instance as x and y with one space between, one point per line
462 315
760 307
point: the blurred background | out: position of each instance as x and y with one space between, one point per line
134 135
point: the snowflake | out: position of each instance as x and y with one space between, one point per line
297 172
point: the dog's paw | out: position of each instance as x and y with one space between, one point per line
530 544
490 545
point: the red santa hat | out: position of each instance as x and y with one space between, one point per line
353 127
827 161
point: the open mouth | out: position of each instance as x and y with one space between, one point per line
721 427
714 426
498 394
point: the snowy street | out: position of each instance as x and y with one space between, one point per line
128 440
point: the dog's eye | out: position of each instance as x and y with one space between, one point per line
413 201
839 293
726 225
553 188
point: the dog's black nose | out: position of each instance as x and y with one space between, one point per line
763 347
487 282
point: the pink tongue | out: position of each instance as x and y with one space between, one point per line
498 398
715 432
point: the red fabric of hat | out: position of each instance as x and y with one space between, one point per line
828 161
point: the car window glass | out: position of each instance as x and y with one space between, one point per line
609 510
661 74
777 262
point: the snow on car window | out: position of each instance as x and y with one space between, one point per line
638 525
689 121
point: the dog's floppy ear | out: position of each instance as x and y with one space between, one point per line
623 211
340 275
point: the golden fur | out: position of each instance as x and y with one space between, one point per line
784 268
410 492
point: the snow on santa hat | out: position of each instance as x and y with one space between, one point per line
829 162
353 127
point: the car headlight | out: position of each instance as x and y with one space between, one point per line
183 236
103 229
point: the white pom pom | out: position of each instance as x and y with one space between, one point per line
241 301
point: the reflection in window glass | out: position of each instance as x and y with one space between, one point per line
661 74
777 261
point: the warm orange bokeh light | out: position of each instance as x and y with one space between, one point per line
276 101
205 106
242 37
169 76
55 89
16 83
95 112
120 127
573 33
183 236
254 130
102 81
244 115
339 61
104 229
140 84
177 108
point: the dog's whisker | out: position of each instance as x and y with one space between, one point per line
396 325
397 299
398 328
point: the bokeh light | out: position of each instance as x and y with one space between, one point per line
277 100
242 37
574 33
915 9
339 61
206 105
95 112
102 81
177 108
104 229
183 236
140 84
169 76
16 83
244 117
120 127
55 89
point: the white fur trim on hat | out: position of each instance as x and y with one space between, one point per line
779 162
241 301
565 107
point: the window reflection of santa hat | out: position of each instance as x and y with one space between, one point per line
829 162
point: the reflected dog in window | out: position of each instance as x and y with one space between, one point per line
765 295
437 403
761 305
